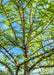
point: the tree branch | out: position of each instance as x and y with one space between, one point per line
7 67
41 41
30 29
39 33
13 42
41 48
7 56
23 28
9 21
42 58
17 70
8 52
27 4
35 57
45 66
18 9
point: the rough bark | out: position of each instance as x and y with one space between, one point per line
26 69
27 73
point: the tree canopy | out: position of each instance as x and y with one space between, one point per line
26 35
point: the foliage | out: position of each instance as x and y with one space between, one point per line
4 73
26 34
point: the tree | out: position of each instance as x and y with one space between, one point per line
26 26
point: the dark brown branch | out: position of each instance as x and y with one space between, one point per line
46 66
17 70
28 3
19 9
13 42
31 24
30 29
23 28
35 57
41 41
39 33
7 56
41 48
30 17
23 21
42 58
34 13
8 52
7 67
9 21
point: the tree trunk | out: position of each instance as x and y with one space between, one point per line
26 72
16 73
26 69
17 70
